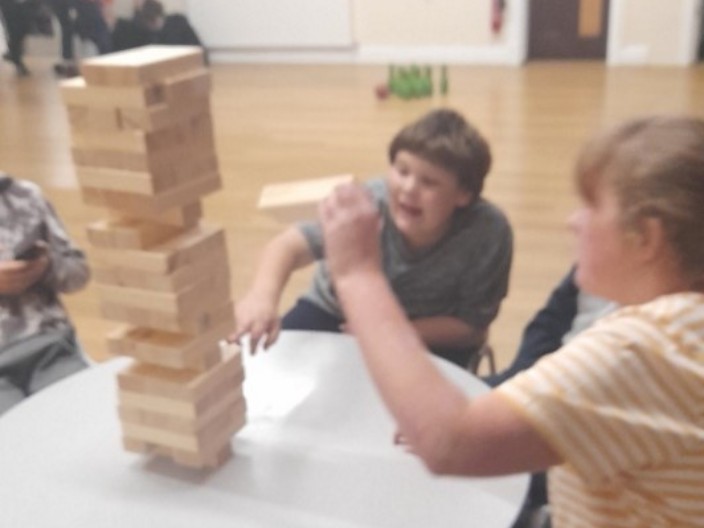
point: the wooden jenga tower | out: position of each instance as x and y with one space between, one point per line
143 148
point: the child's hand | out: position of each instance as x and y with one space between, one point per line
351 225
257 316
17 276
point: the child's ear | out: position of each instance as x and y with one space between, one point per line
464 198
650 239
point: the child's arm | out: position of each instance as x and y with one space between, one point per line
257 312
448 332
450 433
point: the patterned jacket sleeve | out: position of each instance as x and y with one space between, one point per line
68 271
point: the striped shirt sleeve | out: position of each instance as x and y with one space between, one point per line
619 397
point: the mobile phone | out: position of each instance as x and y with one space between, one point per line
29 248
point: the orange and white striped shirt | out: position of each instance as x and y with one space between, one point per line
623 403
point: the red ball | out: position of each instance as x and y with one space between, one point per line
382 91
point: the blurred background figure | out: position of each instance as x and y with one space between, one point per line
16 26
151 25
87 19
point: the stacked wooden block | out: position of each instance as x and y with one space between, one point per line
143 147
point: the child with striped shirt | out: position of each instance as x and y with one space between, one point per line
617 415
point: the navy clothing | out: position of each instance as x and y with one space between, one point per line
544 333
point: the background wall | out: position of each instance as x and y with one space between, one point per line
654 32
641 32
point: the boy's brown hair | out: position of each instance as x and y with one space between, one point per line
444 138
656 167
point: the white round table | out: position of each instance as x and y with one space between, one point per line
317 451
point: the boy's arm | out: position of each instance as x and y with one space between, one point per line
448 332
257 312
450 433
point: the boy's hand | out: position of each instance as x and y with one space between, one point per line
257 316
17 276
351 225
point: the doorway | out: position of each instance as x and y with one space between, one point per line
568 29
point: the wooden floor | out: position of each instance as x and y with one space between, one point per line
276 123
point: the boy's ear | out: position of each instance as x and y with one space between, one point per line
464 198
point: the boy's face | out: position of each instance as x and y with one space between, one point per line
422 199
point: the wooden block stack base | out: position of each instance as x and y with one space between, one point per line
143 144
188 416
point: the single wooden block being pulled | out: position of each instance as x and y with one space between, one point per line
295 201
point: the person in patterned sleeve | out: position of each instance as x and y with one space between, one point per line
38 262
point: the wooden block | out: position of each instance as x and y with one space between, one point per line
175 281
181 393
117 180
197 131
187 216
141 66
180 251
179 385
180 195
232 403
85 120
129 234
213 286
291 202
196 320
187 87
207 460
162 116
145 183
75 92
171 349
127 141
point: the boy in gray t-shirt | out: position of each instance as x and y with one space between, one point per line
447 251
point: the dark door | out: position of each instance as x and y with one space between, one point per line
568 29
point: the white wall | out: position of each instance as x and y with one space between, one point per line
649 32
654 32
441 30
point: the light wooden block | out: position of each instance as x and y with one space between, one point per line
177 196
145 183
162 116
129 234
183 250
214 286
181 393
141 66
185 88
195 321
196 352
208 439
179 384
187 216
183 458
84 120
75 92
128 141
122 275
295 201
117 180
195 131
232 402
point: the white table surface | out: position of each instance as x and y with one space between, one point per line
317 452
